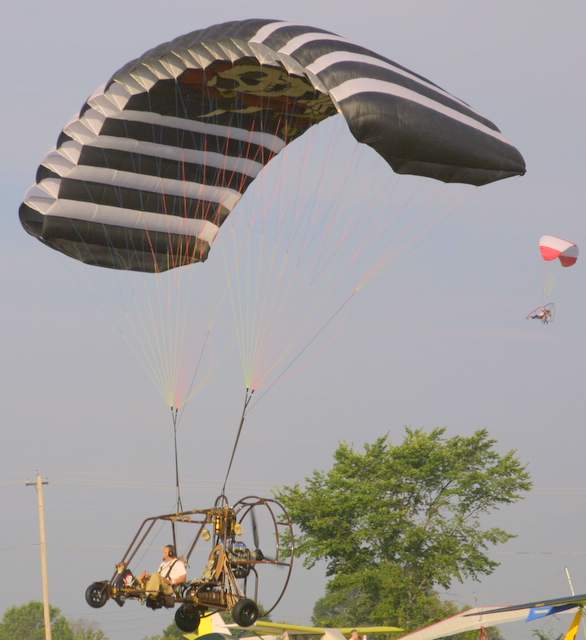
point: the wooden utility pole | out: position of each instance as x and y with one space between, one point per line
38 484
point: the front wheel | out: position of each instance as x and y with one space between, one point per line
187 618
245 612
96 595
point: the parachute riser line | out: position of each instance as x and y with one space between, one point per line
247 398
174 420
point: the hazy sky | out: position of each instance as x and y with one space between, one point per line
438 338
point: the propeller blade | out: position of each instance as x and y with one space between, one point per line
254 530
258 553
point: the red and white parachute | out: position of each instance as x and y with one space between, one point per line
552 248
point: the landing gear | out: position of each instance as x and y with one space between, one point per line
187 618
96 595
245 612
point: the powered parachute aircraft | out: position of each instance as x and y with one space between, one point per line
158 159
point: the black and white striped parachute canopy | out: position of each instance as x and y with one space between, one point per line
156 160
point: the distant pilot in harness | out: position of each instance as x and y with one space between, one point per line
541 313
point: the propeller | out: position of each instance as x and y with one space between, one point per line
258 554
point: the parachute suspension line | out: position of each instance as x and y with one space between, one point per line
390 256
307 213
342 230
549 282
174 416
321 213
251 283
308 344
249 392
272 279
277 269
191 389
153 355
244 261
331 222
382 263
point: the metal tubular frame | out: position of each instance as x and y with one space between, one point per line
223 519
245 505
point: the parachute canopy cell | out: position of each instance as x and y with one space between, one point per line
552 248
144 176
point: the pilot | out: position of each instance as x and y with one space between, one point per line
124 579
171 572
543 314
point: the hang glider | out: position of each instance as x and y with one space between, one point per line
214 628
280 627
484 617
539 608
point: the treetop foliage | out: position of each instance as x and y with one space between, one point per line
394 522
27 623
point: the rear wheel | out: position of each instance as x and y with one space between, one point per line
187 618
96 595
245 612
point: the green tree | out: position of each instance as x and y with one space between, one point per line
83 630
378 595
27 623
546 634
394 522
171 632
